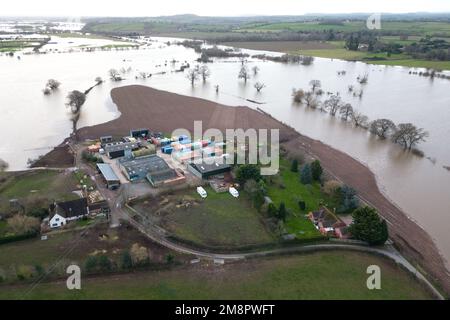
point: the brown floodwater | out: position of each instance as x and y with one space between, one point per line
31 123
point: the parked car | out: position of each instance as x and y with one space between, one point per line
234 192
202 192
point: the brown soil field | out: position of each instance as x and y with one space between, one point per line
145 107
281 46
163 111
59 157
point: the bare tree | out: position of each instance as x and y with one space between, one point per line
333 104
244 73
382 128
363 79
75 100
53 84
298 95
359 120
114 75
192 75
310 100
408 135
315 84
20 224
255 70
204 72
259 86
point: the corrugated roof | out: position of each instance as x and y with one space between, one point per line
107 172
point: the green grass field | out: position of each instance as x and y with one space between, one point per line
411 27
220 220
325 275
51 184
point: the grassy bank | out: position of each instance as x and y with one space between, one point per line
326 275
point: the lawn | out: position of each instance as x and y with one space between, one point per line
48 183
325 275
219 221
291 191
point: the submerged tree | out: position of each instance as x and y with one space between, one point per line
53 84
333 104
244 73
382 128
192 75
346 111
310 100
359 120
204 72
408 135
99 80
114 75
298 95
255 70
76 99
259 86
315 84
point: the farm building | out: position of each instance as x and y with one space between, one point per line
162 175
140 133
205 170
109 176
105 140
63 212
119 149
97 203
137 168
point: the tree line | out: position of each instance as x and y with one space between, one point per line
405 134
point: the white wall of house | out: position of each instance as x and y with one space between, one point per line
57 221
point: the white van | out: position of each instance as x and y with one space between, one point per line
234 192
202 192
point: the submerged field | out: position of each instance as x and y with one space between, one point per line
326 275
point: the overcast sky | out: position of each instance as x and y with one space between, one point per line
213 8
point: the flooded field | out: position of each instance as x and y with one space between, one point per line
32 123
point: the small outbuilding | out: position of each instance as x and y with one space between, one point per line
109 176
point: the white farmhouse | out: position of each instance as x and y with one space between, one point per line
63 212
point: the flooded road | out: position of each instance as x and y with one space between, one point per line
32 123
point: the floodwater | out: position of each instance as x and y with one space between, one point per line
31 123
